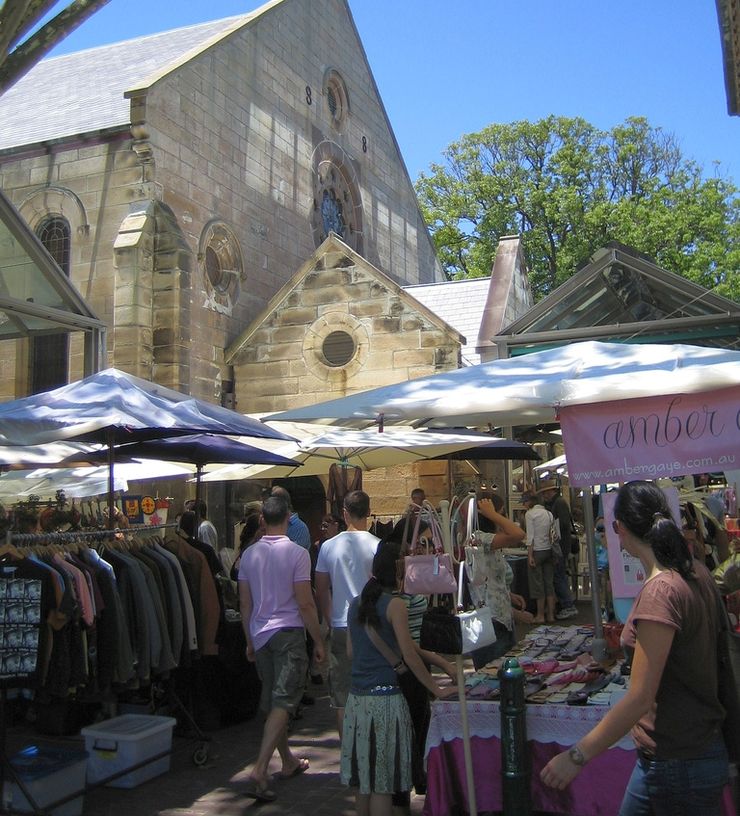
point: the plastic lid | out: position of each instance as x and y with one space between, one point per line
36 761
129 726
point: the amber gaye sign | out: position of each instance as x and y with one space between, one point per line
653 437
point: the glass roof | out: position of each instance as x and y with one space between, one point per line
623 296
35 295
618 294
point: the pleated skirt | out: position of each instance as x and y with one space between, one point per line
376 744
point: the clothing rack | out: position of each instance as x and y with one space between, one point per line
22 540
75 536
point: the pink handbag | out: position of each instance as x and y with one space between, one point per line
429 573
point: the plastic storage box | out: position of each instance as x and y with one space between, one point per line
117 744
49 773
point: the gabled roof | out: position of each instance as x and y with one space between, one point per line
460 303
86 91
333 246
622 295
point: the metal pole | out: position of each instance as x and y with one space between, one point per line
514 760
599 650
467 754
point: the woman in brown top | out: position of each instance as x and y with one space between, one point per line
671 706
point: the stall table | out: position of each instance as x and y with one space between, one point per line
596 791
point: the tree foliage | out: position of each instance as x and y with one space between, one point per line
568 189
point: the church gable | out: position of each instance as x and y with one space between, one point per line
340 325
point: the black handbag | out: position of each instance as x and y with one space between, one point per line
728 680
440 632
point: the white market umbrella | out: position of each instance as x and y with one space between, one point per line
558 465
531 389
84 482
364 448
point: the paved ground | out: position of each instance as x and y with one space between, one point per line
215 789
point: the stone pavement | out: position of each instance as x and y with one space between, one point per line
215 788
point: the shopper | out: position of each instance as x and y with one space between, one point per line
540 557
496 531
376 739
277 607
342 569
560 509
297 528
671 705
414 691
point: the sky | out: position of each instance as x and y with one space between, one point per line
445 68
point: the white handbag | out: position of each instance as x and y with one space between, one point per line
476 626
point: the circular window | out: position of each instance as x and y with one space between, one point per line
221 261
331 100
337 100
338 348
213 270
336 206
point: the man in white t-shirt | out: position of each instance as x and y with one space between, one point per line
343 568
537 521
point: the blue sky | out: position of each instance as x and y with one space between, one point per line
449 67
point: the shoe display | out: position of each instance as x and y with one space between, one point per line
570 612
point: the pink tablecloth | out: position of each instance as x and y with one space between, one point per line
596 791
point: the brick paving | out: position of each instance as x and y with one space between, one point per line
216 788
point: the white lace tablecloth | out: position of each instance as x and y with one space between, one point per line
563 724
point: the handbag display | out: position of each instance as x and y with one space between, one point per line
461 633
430 573
476 566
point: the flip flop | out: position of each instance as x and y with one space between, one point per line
301 767
254 791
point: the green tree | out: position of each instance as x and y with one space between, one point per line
568 189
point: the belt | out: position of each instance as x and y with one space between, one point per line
376 691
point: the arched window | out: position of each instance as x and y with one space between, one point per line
49 353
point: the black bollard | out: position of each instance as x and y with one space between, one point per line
514 758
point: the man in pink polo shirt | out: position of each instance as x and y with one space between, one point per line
277 608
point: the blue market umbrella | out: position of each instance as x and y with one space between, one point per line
113 407
195 449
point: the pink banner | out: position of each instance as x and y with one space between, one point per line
653 437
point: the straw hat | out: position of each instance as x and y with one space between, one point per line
548 484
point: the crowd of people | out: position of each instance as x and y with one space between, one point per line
335 607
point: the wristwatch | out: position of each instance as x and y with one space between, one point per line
576 756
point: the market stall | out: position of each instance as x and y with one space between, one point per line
567 695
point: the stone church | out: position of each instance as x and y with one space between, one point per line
230 202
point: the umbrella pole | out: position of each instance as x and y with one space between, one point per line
198 472
111 480
598 647
472 803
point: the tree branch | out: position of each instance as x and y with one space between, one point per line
26 55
